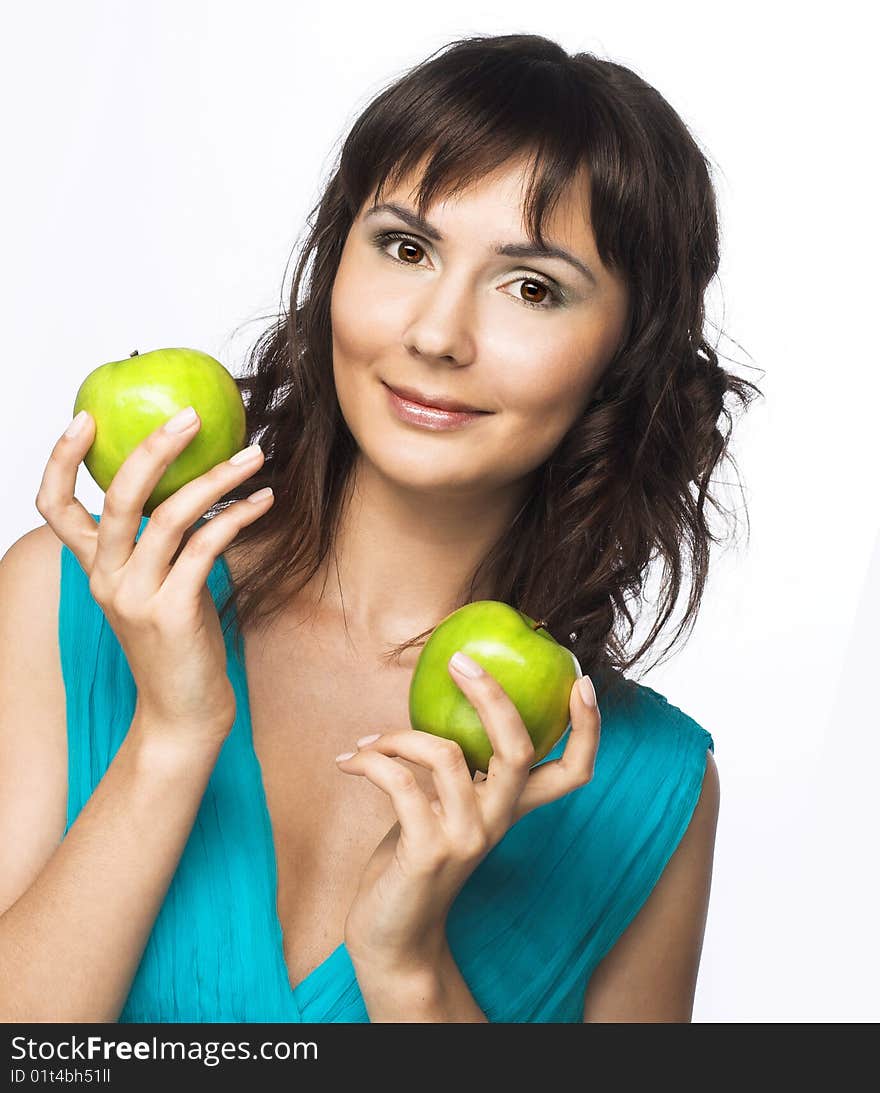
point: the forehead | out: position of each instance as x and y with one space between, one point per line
497 199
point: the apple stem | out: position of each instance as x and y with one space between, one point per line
134 354
538 625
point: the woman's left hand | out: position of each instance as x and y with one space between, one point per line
398 917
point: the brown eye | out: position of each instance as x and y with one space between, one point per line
405 245
530 287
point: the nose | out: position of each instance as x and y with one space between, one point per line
442 325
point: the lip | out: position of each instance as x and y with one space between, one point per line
410 394
429 417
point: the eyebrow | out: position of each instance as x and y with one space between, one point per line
509 250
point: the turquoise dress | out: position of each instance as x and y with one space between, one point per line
527 929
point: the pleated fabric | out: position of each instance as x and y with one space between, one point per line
527 929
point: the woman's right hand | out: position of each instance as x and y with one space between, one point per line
159 606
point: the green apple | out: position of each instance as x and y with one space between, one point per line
131 398
536 672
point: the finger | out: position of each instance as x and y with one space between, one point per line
170 522
461 814
418 822
512 749
576 765
131 487
194 563
68 517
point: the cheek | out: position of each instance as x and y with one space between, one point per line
364 321
546 393
356 340
351 337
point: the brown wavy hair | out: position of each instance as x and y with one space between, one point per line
629 482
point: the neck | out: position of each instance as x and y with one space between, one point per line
404 559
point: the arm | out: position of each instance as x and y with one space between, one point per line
71 944
76 914
651 973
435 993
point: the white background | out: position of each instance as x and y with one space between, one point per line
160 162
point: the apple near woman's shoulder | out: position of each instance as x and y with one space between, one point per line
535 671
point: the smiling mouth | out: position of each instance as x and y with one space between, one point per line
430 417
433 403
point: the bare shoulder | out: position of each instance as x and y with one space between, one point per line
33 729
40 542
651 972
30 575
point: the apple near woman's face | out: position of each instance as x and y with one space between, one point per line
536 672
132 397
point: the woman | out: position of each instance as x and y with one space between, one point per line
233 820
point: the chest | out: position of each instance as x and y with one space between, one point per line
307 705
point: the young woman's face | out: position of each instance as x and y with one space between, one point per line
524 339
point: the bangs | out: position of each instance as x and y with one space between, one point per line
461 130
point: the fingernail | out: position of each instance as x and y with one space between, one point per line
368 739
461 662
247 454
76 425
588 692
345 755
180 421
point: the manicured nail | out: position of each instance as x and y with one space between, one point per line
76 425
368 739
246 454
345 755
261 495
461 662
588 692
180 421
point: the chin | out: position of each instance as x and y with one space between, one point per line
422 471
